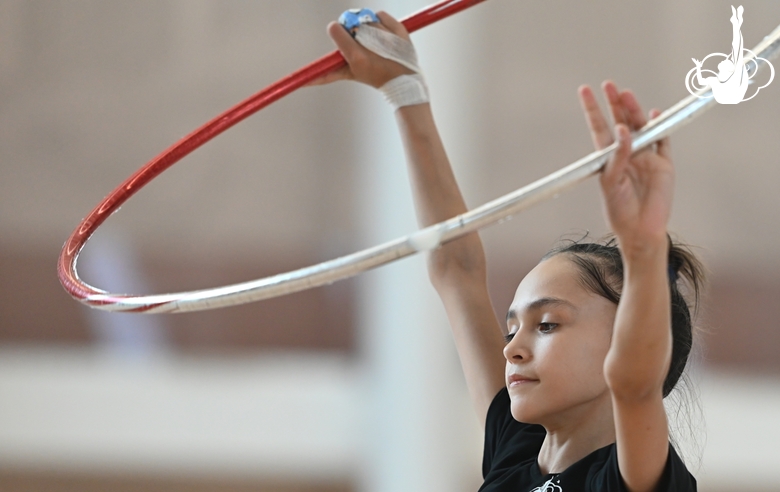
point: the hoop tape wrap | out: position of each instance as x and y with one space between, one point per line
350 265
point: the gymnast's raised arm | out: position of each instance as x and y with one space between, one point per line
457 269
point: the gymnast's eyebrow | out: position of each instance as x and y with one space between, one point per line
540 303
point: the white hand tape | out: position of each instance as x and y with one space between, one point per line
404 90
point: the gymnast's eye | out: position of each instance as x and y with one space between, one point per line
547 327
508 337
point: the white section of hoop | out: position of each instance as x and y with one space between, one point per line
347 266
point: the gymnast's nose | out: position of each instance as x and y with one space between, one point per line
518 349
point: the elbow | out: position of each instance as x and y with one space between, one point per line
449 273
459 258
630 381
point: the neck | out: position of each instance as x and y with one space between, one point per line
576 433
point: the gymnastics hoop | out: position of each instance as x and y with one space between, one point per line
347 266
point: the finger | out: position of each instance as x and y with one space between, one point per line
616 166
636 116
623 152
342 73
663 146
599 129
350 48
612 95
393 25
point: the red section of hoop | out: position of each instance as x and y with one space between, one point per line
66 266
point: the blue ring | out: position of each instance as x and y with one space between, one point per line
354 18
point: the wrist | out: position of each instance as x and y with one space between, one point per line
405 90
645 249
416 121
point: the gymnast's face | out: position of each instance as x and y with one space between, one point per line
560 334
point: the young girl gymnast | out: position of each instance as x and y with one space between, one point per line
571 392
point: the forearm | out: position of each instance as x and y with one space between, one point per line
641 347
435 190
457 268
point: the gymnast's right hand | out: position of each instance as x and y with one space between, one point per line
363 65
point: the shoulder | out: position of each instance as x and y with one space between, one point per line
600 472
676 476
512 449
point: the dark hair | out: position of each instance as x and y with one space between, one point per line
601 268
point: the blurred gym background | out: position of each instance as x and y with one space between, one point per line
355 386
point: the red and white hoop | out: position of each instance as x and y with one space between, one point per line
350 265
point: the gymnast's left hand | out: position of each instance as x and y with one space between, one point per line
637 189
363 65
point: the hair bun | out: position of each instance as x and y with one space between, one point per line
676 260
672 273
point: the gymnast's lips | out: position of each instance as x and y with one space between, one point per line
517 379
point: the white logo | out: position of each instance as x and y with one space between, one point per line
730 84
549 486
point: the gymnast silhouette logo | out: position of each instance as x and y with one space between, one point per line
549 486
731 82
